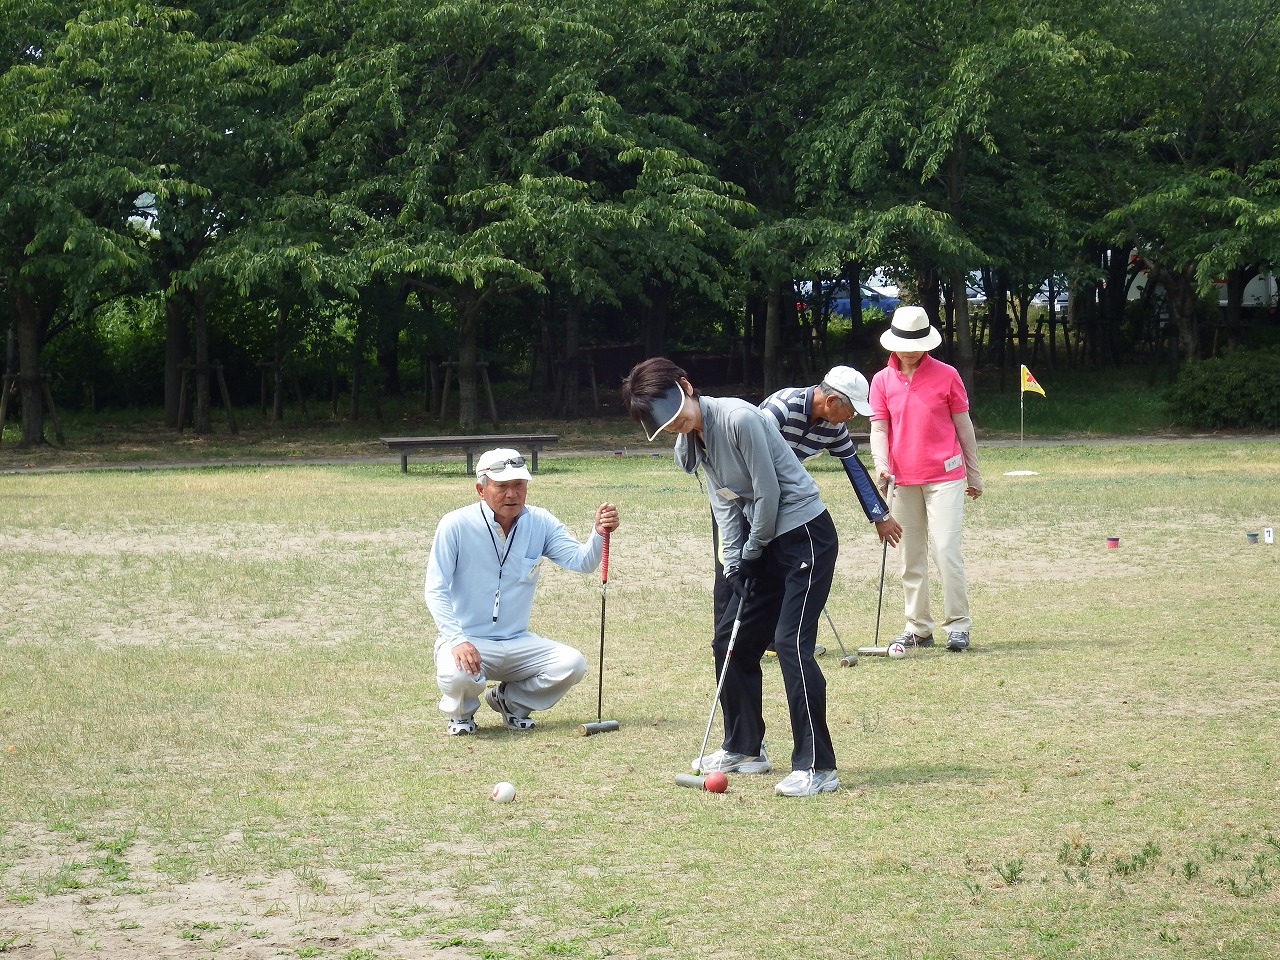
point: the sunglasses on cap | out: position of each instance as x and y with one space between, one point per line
501 465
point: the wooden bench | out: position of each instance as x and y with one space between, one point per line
532 441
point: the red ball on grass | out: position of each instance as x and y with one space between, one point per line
716 782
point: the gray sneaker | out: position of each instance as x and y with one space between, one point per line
909 639
726 761
496 698
806 783
958 641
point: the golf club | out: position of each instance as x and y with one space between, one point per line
601 726
724 669
875 650
847 659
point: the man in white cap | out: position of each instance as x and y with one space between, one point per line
812 419
483 568
922 437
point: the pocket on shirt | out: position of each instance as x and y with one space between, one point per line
530 568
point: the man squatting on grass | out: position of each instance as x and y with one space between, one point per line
780 549
484 566
812 419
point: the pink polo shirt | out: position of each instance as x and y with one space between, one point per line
923 446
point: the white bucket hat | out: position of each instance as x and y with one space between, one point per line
910 331
501 465
851 385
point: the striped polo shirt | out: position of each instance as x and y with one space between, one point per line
791 407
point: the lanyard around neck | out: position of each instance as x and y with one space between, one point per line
501 557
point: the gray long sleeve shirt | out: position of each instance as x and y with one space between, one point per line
757 487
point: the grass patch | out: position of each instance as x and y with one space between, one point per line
218 727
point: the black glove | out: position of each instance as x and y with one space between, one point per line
751 569
743 588
742 579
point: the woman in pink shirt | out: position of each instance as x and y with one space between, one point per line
923 442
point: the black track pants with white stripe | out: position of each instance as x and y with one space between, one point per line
791 593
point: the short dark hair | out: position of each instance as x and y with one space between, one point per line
649 380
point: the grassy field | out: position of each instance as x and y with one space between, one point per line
219 734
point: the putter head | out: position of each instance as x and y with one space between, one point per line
597 726
849 660
873 651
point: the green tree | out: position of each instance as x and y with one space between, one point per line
1196 180
77 122
930 125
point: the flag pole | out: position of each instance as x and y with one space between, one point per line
1022 399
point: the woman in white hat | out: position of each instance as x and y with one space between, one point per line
923 442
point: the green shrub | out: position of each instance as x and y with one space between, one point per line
1238 389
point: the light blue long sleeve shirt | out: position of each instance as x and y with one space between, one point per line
480 585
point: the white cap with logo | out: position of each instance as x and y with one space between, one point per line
852 386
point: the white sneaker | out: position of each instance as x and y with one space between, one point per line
726 761
461 726
805 783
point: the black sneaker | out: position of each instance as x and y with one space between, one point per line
909 639
958 641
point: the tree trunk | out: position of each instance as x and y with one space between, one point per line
964 361
998 315
277 366
203 423
468 321
176 347
30 381
773 339
1237 279
390 322
655 318
1179 286
931 299
570 379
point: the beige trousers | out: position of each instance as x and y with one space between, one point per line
932 518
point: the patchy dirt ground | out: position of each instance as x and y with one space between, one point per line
89 905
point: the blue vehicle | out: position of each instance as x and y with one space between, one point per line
838 298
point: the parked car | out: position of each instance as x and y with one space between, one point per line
1041 297
837 296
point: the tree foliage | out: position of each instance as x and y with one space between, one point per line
335 184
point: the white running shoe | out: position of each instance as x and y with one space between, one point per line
460 727
805 783
726 761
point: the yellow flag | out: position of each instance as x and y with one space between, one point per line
1029 382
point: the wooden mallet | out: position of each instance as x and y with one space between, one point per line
601 726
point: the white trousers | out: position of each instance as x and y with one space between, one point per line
932 518
538 672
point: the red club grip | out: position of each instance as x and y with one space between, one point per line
604 561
